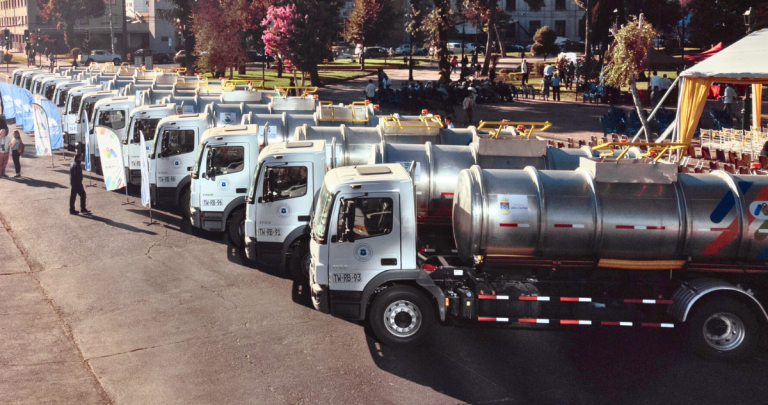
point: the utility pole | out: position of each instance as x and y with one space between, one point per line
124 39
111 29
587 50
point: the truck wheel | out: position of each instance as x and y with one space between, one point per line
401 316
300 259
116 61
723 329
184 203
236 227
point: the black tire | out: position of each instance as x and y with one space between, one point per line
723 329
236 227
403 300
184 203
116 61
299 267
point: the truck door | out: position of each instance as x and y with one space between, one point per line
376 244
115 120
225 176
133 147
285 195
174 161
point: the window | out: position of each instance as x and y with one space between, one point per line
560 28
62 101
49 91
178 141
146 125
75 104
164 39
534 26
559 4
511 5
112 119
284 182
322 215
230 159
373 217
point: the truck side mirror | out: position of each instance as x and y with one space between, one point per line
349 221
269 177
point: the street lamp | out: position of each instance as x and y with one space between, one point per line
681 33
747 18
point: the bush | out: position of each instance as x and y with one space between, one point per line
7 57
76 52
544 42
539 67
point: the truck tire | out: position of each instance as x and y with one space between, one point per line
300 262
723 329
401 316
184 203
236 227
116 61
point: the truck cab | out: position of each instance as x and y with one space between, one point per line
36 83
85 112
220 178
279 203
142 119
26 78
173 156
48 87
112 113
71 107
18 74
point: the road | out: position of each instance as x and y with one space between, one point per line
104 309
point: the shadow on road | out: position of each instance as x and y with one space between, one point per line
117 224
40 183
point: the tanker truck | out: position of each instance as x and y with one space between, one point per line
615 244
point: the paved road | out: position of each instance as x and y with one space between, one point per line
105 309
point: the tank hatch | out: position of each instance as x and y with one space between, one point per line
629 171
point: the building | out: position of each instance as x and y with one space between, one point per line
563 16
143 29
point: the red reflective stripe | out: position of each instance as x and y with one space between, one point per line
610 323
665 302
569 299
633 301
563 225
625 227
527 298
486 297
656 227
718 229
527 320
486 319
568 322
508 225
652 325
446 193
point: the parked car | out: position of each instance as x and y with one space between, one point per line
258 55
100 56
342 48
474 46
403 49
514 47
376 52
157 57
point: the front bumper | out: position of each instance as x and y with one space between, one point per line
320 298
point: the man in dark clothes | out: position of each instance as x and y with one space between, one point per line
76 182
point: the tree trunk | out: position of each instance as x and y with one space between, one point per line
639 106
231 68
189 47
443 7
488 48
69 34
501 43
279 67
314 76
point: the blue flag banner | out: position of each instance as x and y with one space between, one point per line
8 109
54 123
17 95
28 117
87 137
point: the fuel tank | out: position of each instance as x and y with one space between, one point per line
611 211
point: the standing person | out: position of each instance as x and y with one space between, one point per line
449 122
556 88
468 104
571 71
474 58
464 62
52 58
492 75
655 86
524 69
76 184
549 71
17 148
46 53
545 88
5 148
370 91
291 91
454 63
729 99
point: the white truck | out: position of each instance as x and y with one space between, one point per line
173 156
69 121
109 112
47 86
144 119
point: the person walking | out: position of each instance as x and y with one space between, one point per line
524 69
5 148
556 88
474 58
454 63
17 148
729 99
468 104
76 184
464 62
370 91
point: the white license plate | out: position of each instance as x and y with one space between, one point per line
269 232
347 278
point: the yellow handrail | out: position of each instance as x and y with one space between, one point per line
495 127
180 70
660 148
236 83
304 90
423 122
329 105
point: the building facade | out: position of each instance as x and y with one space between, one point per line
562 16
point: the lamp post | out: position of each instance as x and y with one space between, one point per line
681 33
747 19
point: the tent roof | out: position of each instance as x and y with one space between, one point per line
658 60
706 54
745 59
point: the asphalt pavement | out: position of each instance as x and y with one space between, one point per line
107 309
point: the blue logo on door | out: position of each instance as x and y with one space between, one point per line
363 252
223 185
284 211
177 163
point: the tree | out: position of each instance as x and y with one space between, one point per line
181 14
302 33
718 21
544 42
214 24
486 12
66 13
370 23
626 59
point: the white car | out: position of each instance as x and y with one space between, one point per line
101 56
404 49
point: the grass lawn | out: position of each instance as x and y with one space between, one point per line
271 80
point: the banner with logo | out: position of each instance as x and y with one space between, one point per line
17 93
144 170
8 109
54 124
110 151
28 117
42 133
87 142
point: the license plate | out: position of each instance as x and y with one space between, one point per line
269 232
347 278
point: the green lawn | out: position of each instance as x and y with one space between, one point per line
271 80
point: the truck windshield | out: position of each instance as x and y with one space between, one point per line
322 215
198 157
75 105
146 125
49 89
252 190
114 119
62 101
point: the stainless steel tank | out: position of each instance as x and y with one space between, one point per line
612 212
279 127
296 105
346 146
